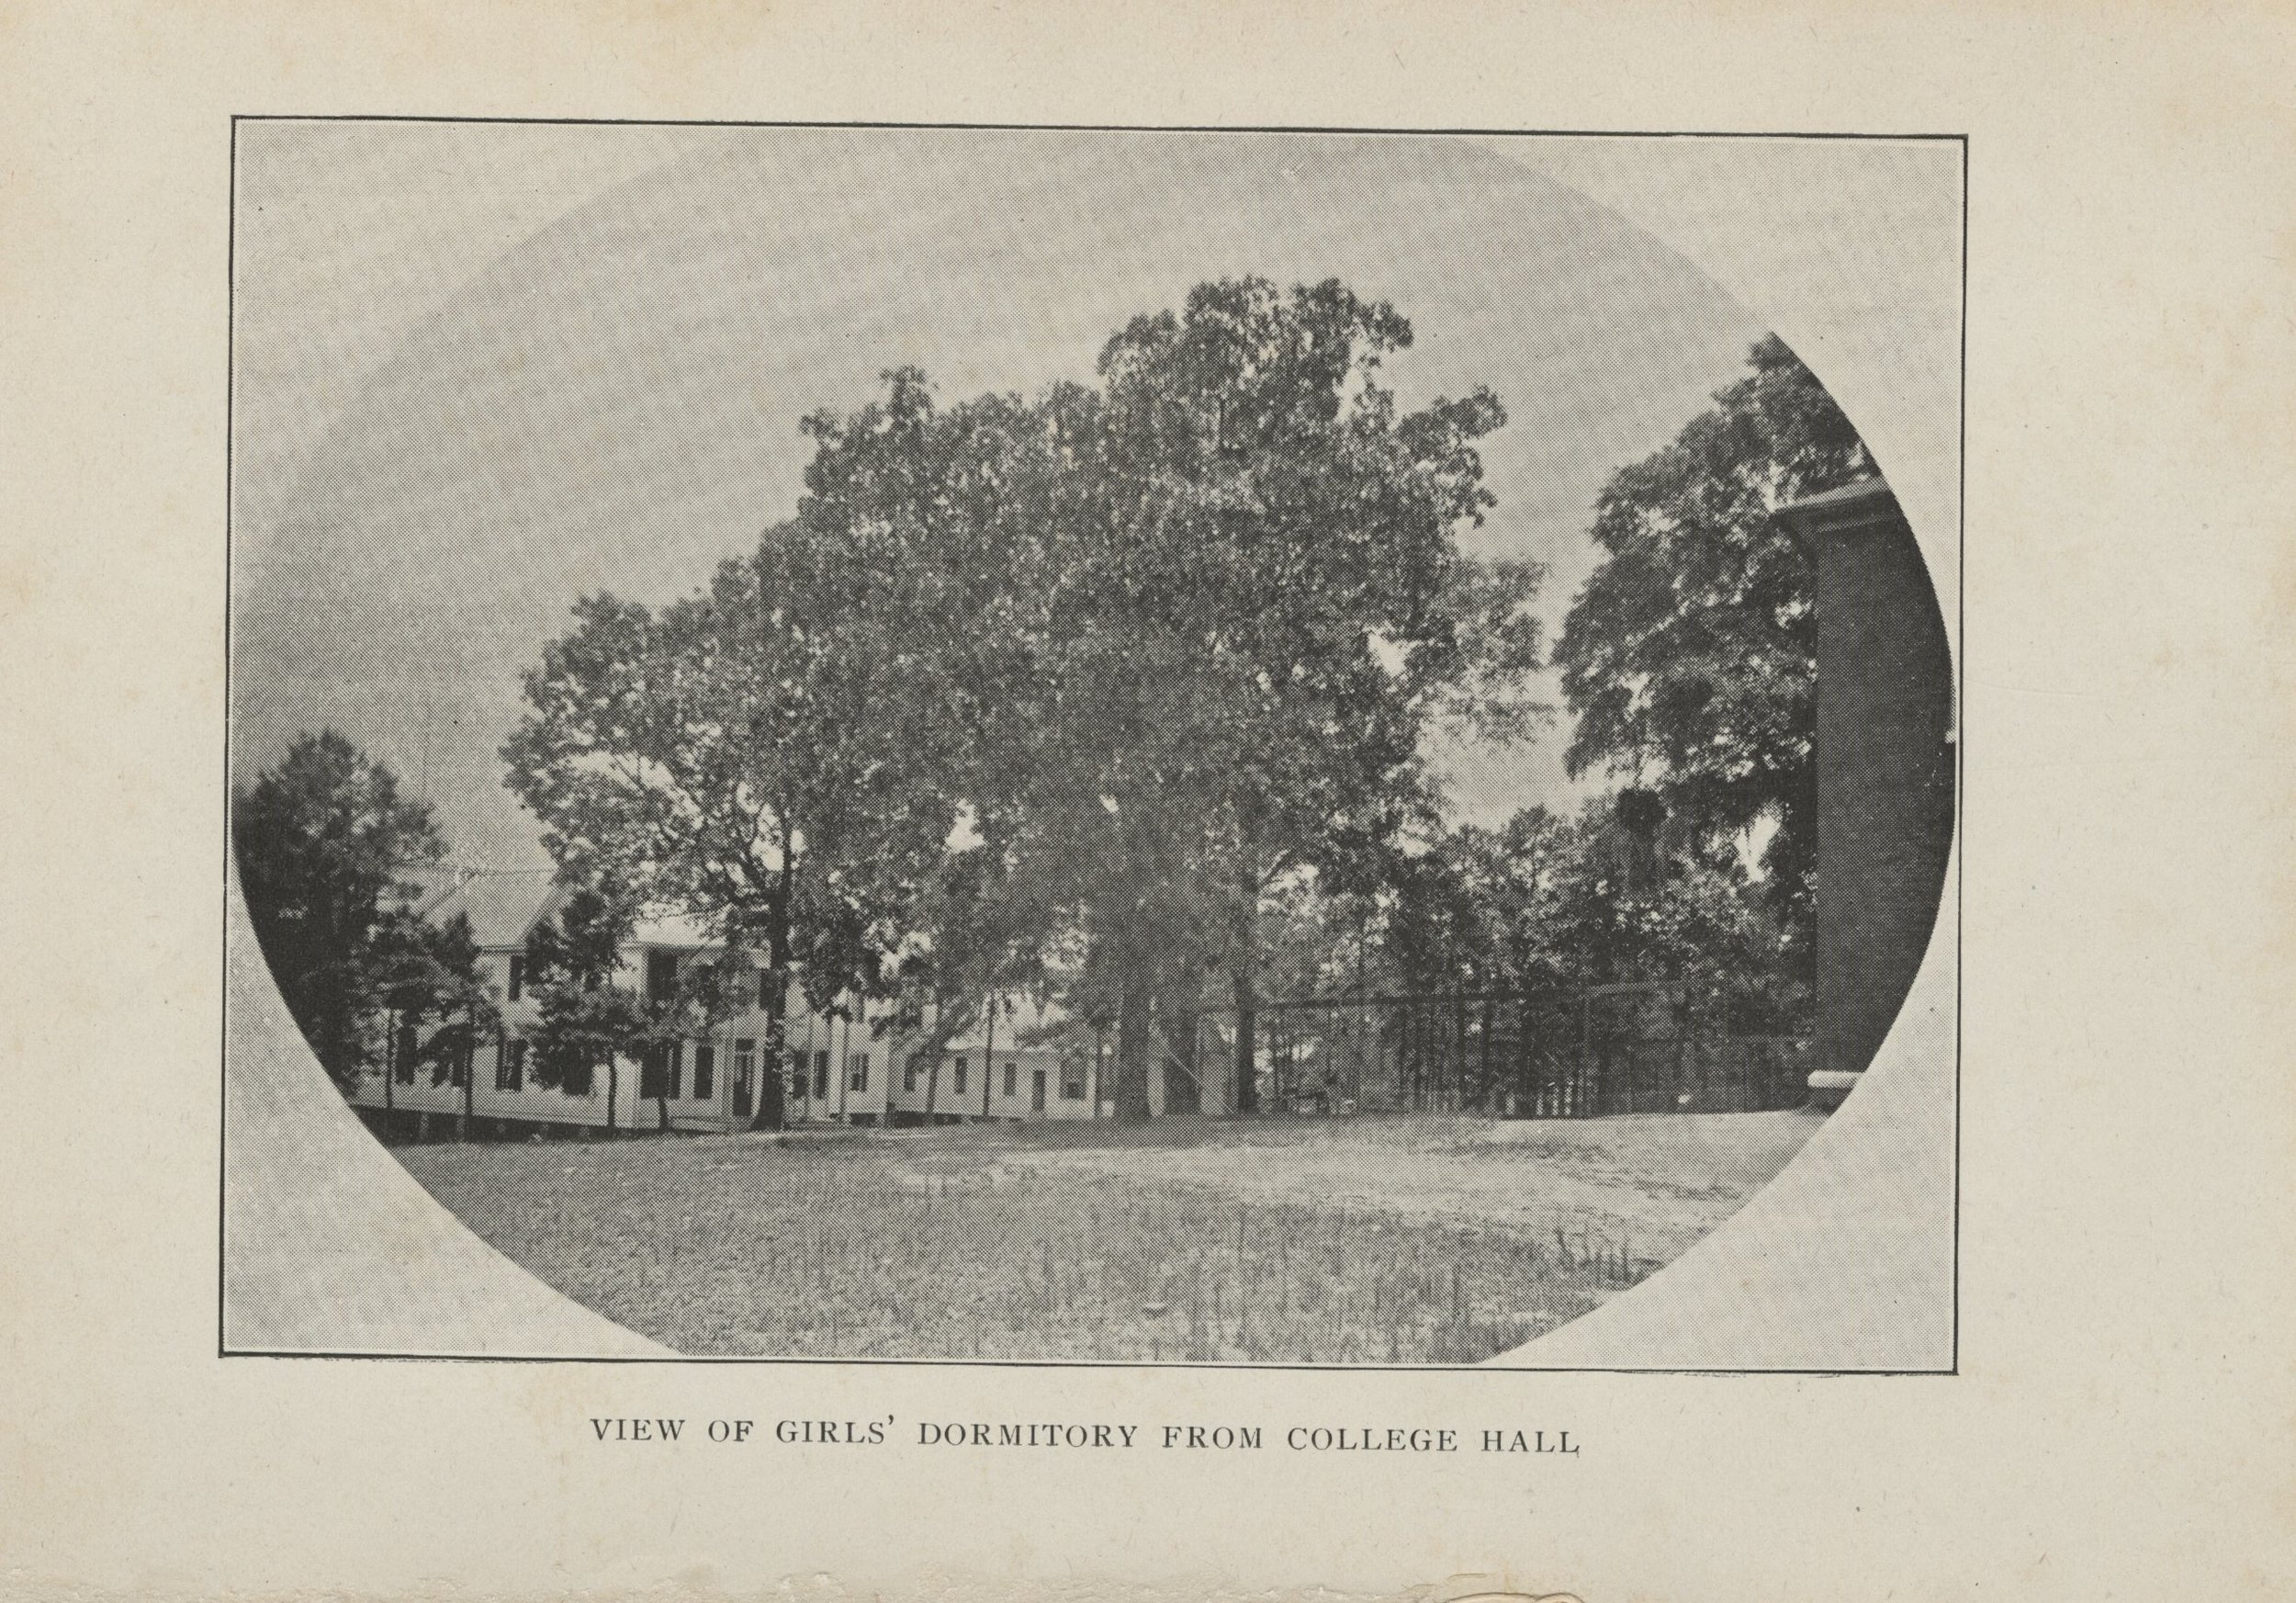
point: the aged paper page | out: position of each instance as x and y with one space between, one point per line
1386 802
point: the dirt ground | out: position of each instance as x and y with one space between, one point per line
1366 1240
1663 1180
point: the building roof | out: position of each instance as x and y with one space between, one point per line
1020 1024
1856 490
674 929
503 905
1862 501
414 885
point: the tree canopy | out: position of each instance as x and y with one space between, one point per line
427 981
583 1021
1262 608
1690 657
320 840
1553 902
1069 683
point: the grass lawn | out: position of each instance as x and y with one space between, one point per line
1369 1240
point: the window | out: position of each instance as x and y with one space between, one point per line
821 1076
957 1064
745 1074
857 1070
661 976
1012 1080
704 1070
1071 1080
910 1017
661 1071
908 1073
517 976
509 1063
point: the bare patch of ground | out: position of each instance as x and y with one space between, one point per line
1371 1240
1664 1179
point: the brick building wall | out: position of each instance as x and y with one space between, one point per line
1885 767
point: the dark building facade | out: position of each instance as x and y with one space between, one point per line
1885 771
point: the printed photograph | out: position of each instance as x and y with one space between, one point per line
1031 746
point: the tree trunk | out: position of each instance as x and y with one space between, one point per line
933 1065
988 1055
1183 1054
775 1057
948 1020
1131 1049
1244 975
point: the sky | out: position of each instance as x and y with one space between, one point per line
479 370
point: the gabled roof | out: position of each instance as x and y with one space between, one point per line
414 885
1020 1024
674 929
503 905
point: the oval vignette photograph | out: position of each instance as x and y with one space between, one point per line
1030 746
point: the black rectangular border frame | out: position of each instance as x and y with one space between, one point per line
1960 725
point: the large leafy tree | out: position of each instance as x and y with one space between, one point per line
437 1002
1263 607
1546 902
762 755
1063 686
941 531
320 840
1690 658
585 1023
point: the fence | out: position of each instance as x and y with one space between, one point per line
1639 1048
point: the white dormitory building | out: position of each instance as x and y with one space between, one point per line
850 1064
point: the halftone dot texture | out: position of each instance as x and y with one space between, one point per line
1845 1261
430 473
329 1245
480 371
